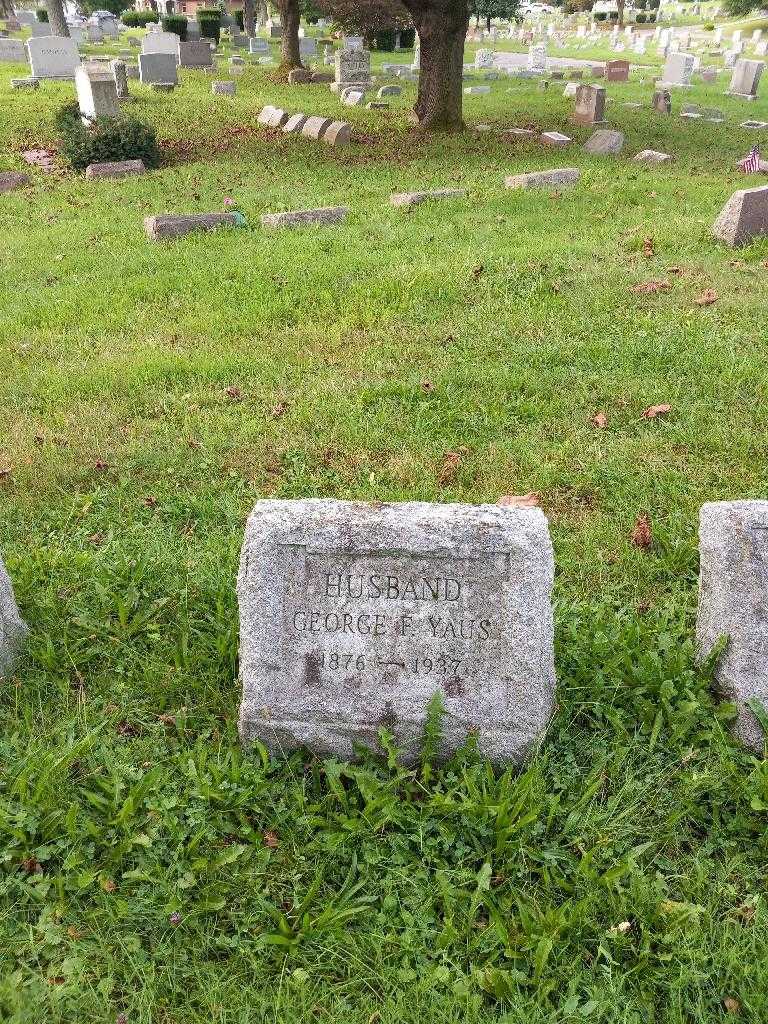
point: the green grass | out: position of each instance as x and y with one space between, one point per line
385 895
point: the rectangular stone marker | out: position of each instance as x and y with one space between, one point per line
12 51
96 92
590 105
196 54
12 180
678 70
161 42
52 57
115 169
353 67
416 198
158 69
617 71
746 78
12 629
354 615
174 225
301 218
258 46
537 59
733 602
557 178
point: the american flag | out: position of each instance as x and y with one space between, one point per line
751 164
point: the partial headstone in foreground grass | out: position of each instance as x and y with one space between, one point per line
12 180
223 88
315 127
590 105
652 156
12 628
338 133
415 198
96 92
744 217
604 142
559 177
174 225
301 218
358 617
733 603
662 101
294 123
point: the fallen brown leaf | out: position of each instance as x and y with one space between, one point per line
150 501
271 840
675 270
427 386
656 410
477 271
732 1005
651 287
641 534
599 420
108 885
649 250
234 394
530 500
100 465
278 409
5 472
449 468
707 297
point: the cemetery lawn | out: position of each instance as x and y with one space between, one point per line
152 871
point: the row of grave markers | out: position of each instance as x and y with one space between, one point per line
353 615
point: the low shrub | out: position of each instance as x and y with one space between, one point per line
408 38
139 19
108 138
240 19
176 23
709 28
209 20
41 14
385 40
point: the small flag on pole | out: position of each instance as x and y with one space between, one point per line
751 164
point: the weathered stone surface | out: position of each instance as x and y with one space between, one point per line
352 97
662 101
570 89
557 178
196 53
590 104
161 42
120 75
652 156
520 134
294 123
25 83
11 180
299 218
746 78
265 114
617 70
12 51
316 127
414 198
277 118
115 169
321 77
338 133
12 628
174 225
604 142
96 92
353 616
158 69
733 602
353 67
377 105
744 217
389 90
678 69
223 88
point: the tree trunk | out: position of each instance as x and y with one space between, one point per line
442 26
6 8
56 20
488 23
261 13
620 10
290 18
249 18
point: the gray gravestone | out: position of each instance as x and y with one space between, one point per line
52 57
12 628
353 67
161 42
196 54
733 602
158 68
678 69
746 78
120 74
354 615
12 51
744 217
96 92
590 105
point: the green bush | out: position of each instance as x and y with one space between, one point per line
641 18
385 40
108 138
41 14
408 38
139 19
209 20
600 16
176 23
709 28
240 19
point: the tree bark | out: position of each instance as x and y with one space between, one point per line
442 26
620 11
249 18
261 13
6 8
56 20
290 18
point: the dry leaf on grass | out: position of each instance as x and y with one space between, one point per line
427 386
732 1005
5 472
234 394
449 468
621 928
656 410
651 287
649 249
278 409
707 297
530 500
271 840
641 534
599 420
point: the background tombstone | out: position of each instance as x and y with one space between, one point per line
352 616
617 70
195 54
52 57
537 59
12 628
120 75
353 68
160 42
589 105
678 69
158 68
733 602
12 51
96 92
746 78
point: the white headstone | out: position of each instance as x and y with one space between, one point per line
52 57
